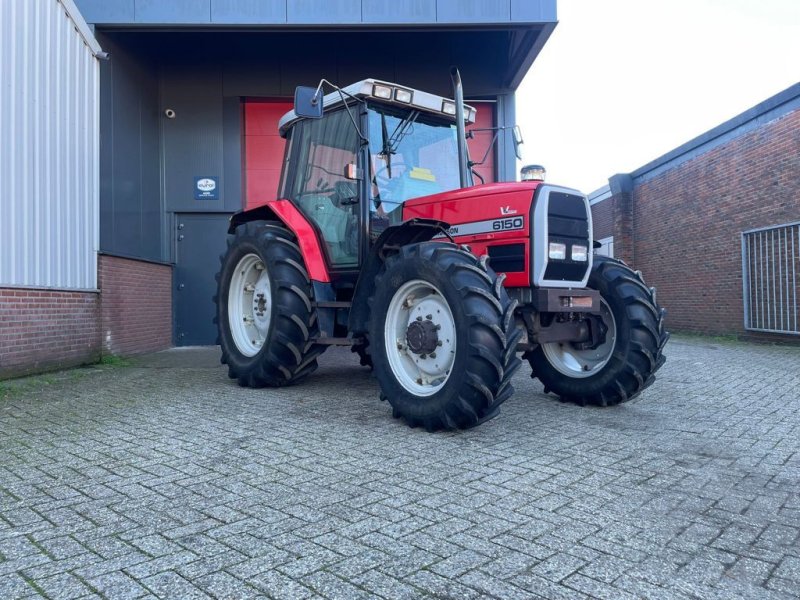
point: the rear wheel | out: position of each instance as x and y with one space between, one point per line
443 337
265 316
625 362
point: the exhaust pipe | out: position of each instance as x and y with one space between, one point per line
458 92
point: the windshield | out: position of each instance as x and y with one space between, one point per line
411 155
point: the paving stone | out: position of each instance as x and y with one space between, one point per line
117 585
166 479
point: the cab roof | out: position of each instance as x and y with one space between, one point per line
367 88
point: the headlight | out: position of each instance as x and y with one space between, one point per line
557 251
580 253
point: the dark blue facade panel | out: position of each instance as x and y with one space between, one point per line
174 11
107 11
398 11
248 12
323 12
528 11
316 12
473 11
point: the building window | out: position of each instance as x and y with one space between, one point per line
607 248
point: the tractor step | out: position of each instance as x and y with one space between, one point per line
338 341
332 304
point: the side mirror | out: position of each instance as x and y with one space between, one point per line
518 141
307 103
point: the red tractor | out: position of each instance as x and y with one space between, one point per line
380 241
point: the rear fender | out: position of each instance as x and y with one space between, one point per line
286 212
390 241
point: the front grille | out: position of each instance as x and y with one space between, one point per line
567 223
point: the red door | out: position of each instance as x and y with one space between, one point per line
263 150
483 140
263 147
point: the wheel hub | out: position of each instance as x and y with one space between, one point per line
422 337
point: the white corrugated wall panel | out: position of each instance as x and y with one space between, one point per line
49 146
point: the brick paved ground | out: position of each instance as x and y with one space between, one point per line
165 479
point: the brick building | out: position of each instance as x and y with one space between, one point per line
714 225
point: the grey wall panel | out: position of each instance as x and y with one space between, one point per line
533 11
107 11
233 161
173 11
398 11
248 11
473 11
325 12
192 141
507 158
130 194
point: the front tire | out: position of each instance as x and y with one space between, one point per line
625 363
265 315
443 337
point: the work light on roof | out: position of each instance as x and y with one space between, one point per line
404 96
382 91
448 108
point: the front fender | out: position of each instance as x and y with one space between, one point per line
390 241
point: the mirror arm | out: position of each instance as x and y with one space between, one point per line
489 149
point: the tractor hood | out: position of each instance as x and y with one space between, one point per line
476 203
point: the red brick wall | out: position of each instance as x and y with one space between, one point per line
136 299
687 222
603 219
44 330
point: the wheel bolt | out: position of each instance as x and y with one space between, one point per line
439 343
429 317
419 318
423 356
433 355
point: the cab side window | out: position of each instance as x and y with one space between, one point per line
323 148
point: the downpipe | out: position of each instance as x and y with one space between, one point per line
458 93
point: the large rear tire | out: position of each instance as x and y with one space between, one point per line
623 365
265 316
442 337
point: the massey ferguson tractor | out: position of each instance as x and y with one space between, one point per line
381 241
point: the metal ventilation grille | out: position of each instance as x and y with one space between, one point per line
771 279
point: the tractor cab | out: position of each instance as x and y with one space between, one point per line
358 154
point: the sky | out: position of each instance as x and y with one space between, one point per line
622 82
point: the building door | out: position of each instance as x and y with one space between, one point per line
199 239
263 150
480 144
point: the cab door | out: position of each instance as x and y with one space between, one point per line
321 150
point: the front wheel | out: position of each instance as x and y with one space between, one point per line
442 337
625 362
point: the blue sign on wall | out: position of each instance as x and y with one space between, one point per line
206 188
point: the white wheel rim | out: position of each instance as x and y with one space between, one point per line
420 373
250 305
579 364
